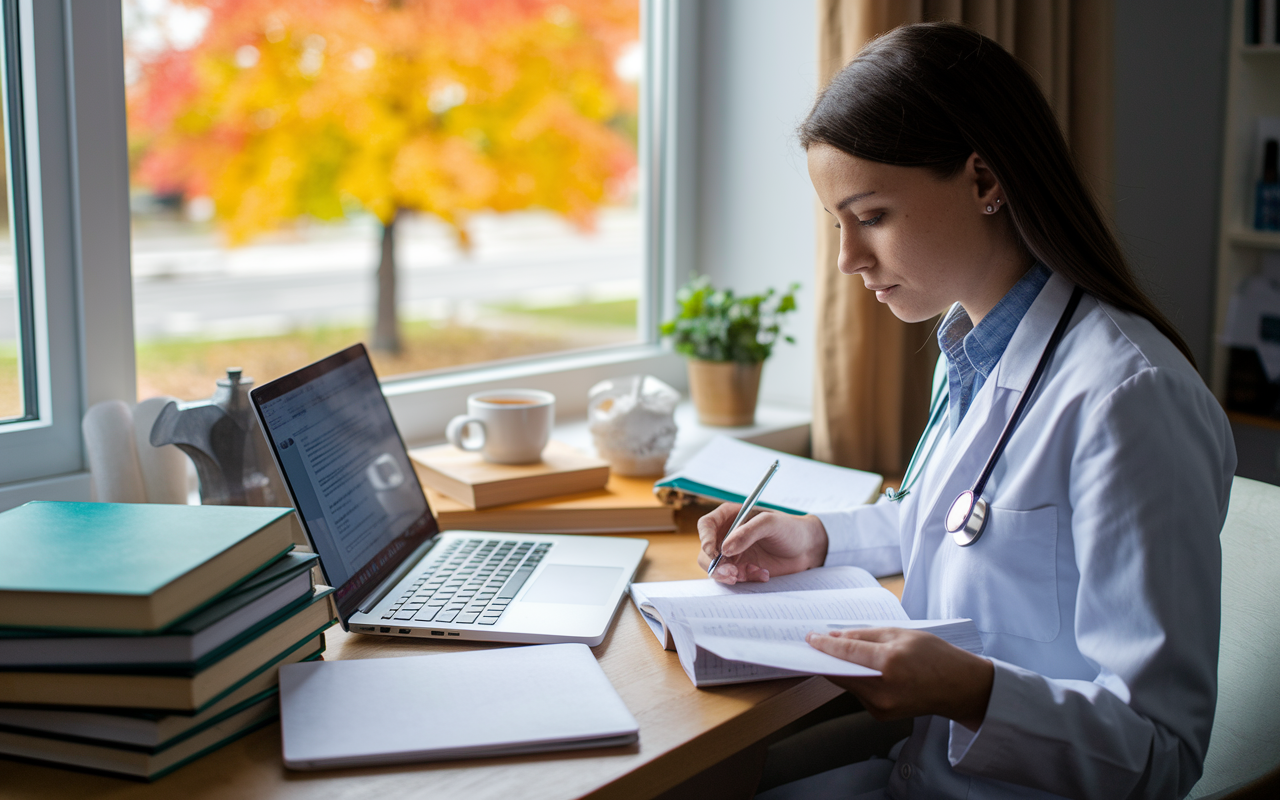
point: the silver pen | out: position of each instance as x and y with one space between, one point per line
747 505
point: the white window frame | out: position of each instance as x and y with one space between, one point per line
78 189
79 350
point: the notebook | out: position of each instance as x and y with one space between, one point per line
727 470
456 705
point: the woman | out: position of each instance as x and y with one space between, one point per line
1095 581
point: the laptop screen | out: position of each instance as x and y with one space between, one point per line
347 470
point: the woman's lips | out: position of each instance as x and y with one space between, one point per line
882 292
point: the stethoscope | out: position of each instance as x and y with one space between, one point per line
967 516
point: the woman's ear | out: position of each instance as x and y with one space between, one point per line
986 189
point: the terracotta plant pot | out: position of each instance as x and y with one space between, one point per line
724 392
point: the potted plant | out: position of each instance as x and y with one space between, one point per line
727 339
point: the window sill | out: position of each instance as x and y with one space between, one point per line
73 487
778 427
422 407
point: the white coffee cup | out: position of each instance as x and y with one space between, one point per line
507 426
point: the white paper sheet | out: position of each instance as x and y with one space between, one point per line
830 605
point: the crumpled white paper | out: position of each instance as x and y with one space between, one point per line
632 421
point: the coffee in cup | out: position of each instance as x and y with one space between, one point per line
507 426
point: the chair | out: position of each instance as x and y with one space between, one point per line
1244 748
124 466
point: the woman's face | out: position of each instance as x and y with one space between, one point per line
919 242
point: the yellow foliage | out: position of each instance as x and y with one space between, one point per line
286 110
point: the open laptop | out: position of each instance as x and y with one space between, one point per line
332 435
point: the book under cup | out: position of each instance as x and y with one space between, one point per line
625 505
756 631
467 478
129 567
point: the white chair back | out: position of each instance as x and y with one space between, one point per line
1245 743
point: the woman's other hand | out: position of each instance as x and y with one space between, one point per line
920 674
768 543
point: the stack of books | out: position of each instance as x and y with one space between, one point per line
567 492
136 638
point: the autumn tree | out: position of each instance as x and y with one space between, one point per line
317 108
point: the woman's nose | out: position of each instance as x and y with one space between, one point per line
854 255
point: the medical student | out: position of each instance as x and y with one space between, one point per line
1092 566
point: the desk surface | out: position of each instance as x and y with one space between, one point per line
683 730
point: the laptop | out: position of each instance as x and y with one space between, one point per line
394 572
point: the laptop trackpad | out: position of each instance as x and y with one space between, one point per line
583 586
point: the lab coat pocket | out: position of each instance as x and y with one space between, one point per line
1006 582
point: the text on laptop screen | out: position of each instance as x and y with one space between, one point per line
351 479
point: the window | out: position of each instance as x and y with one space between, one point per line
452 182
80 330
44 362
18 401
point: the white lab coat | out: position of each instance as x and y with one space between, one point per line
1096 584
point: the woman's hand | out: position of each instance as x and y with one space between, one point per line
768 543
920 674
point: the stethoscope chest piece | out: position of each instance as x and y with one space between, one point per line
966 518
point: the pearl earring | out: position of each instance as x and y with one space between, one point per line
991 209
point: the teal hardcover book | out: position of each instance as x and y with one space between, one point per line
120 566
284 583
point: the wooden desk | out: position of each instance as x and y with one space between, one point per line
683 731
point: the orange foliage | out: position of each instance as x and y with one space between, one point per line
449 107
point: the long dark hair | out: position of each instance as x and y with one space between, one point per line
929 95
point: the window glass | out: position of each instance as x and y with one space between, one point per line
450 181
12 380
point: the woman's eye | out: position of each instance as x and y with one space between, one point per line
867 223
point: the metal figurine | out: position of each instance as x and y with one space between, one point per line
222 437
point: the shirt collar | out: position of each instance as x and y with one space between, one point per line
983 345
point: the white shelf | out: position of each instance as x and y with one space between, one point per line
1248 237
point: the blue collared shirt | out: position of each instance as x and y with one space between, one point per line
973 352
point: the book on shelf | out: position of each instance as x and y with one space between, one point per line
283 585
146 763
756 631
466 477
188 688
129 567
728 469
624 505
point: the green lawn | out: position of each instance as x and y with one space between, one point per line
187 368
612 313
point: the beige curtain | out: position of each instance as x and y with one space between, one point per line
873 371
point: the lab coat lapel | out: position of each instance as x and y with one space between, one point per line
978 432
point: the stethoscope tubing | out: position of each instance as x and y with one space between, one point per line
1054 340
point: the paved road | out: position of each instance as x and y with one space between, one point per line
190 286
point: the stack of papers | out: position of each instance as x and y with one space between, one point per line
756 631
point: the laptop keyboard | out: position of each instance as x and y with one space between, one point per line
473 581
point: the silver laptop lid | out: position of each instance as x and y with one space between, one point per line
337 446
